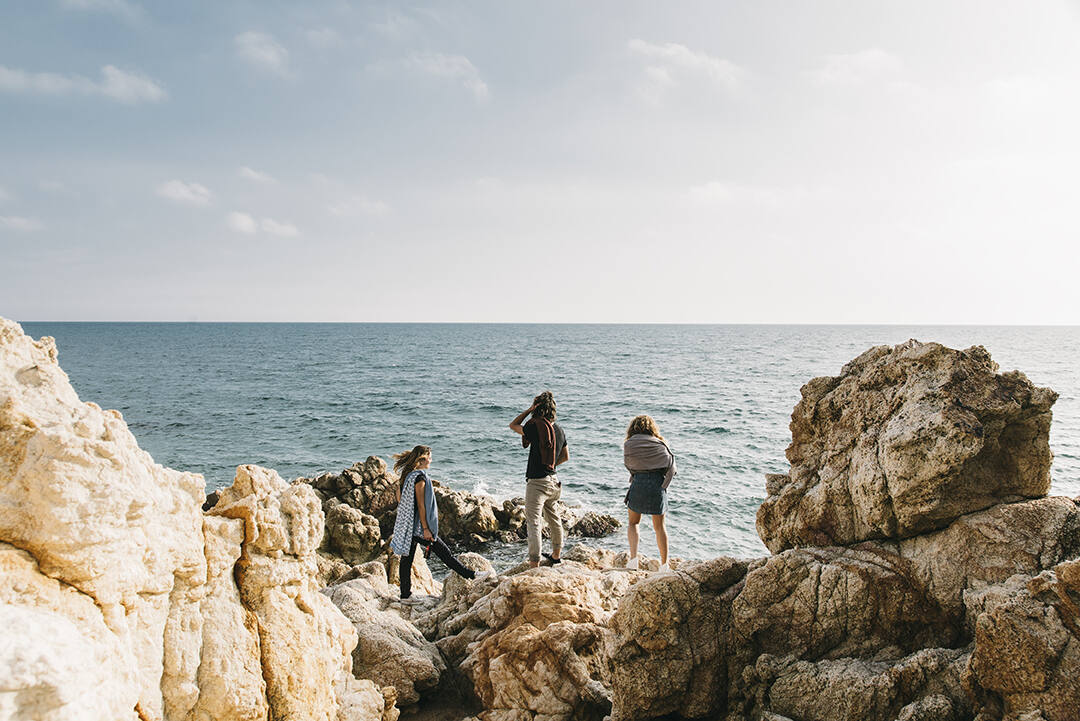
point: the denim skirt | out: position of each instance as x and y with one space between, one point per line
646 494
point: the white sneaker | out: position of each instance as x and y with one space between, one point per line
664 568
483 575
414 600
632 564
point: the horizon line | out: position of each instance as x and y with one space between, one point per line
572 323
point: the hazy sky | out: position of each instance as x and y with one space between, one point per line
910 162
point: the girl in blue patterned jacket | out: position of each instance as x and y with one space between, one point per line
417 520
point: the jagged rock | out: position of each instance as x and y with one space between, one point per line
391 651
904 441
351 534
457 596
363 700
816 603
534 643
58 659
987 547
96 512
462 515
511 516
925 686
666 651
595 525
229 670
597 559
305 642
1027 647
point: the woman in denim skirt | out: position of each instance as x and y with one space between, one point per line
652 466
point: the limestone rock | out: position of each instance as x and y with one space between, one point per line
463 515
93 509
1027 649
988 547
229 677
904 441
819 603
58 659
351 534
534 643
595 525
667 647
305 641
925 686
391 651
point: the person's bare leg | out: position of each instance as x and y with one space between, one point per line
632 521
661 536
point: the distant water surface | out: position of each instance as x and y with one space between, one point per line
304 398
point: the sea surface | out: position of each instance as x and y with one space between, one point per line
307 398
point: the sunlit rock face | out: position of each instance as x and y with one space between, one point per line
121 600
904 441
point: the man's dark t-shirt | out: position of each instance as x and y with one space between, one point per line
530 439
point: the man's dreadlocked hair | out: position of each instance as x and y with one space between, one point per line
545 406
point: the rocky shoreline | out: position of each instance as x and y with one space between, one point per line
918 571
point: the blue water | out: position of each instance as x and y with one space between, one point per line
304 398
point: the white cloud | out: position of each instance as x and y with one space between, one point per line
19 223
287 230
4 194
252 174
121 85
358 205
262 51
184 193
672 62
241 223
451 67
858 68
51 186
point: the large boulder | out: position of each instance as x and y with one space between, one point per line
904 441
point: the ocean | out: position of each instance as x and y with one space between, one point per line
303 398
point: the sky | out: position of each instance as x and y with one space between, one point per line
604 161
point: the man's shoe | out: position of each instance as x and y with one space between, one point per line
414 600
551 558
483 575
632 564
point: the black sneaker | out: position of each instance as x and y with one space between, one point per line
551 558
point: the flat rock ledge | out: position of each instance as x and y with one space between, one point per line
919 572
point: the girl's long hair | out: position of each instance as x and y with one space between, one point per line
545 406
406 462
643 424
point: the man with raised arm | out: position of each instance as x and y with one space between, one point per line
547 449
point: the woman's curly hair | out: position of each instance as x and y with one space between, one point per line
545 406
643 424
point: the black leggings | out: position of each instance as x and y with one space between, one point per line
440 549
